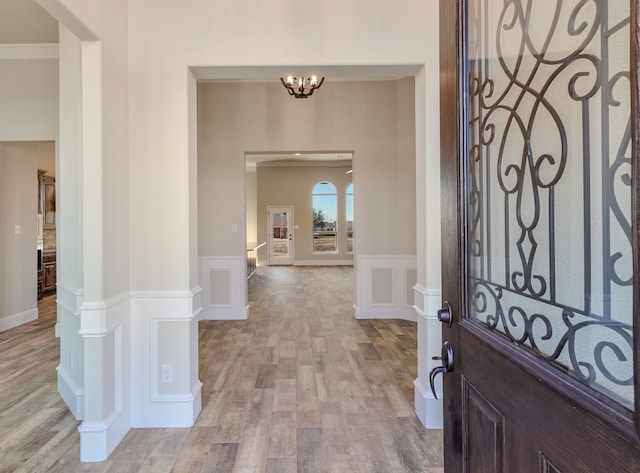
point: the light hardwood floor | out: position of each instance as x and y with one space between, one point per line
300 387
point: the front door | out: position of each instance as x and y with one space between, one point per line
280 238
540 238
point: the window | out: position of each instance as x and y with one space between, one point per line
349 205
325 206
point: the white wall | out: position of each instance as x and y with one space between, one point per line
139 166
94 166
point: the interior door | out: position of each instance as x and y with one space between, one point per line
280 236
539 173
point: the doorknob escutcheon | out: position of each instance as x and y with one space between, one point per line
445 314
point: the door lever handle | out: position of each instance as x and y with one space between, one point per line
446 355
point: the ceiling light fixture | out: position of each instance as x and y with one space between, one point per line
301 87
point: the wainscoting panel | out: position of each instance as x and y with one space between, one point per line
106 336
71 368
385 287
166 390
223 280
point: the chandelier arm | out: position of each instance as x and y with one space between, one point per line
296 86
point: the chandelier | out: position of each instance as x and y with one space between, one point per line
301 87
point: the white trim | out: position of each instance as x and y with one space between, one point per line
399 307
428 409
173 304
69 298
427 302
71 393
237 307
288 209
171 411
385 312
29 51
18 319
326 262
99 439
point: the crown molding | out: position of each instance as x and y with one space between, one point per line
29 51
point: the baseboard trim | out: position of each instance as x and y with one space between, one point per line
99 439
391 312
71 393
428 409
18 319
171 411
327 262
224 313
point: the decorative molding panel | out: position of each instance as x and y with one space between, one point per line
165 330
427 302
105 328
223 280
483 432
384 287
71 368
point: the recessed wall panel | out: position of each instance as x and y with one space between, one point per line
220 280
382 286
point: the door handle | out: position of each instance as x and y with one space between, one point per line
446 355
445 315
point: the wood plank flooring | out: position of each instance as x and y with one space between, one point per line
299 387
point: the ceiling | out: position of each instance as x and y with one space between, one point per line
25 22
341 159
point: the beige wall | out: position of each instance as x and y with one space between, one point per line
18 207
28 99
372 119
283 186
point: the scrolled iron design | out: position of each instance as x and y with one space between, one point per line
519 151
519 325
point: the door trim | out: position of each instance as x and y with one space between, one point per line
280 261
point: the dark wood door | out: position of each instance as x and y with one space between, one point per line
540 237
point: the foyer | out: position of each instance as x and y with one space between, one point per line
301 386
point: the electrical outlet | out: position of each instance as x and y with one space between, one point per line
166 374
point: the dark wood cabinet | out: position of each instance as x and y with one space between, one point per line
47 199
48 274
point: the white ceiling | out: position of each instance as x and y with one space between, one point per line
25 22
341 159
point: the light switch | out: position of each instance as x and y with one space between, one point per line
16 230
234 228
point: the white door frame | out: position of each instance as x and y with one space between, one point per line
288 209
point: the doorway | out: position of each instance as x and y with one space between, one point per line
280 236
